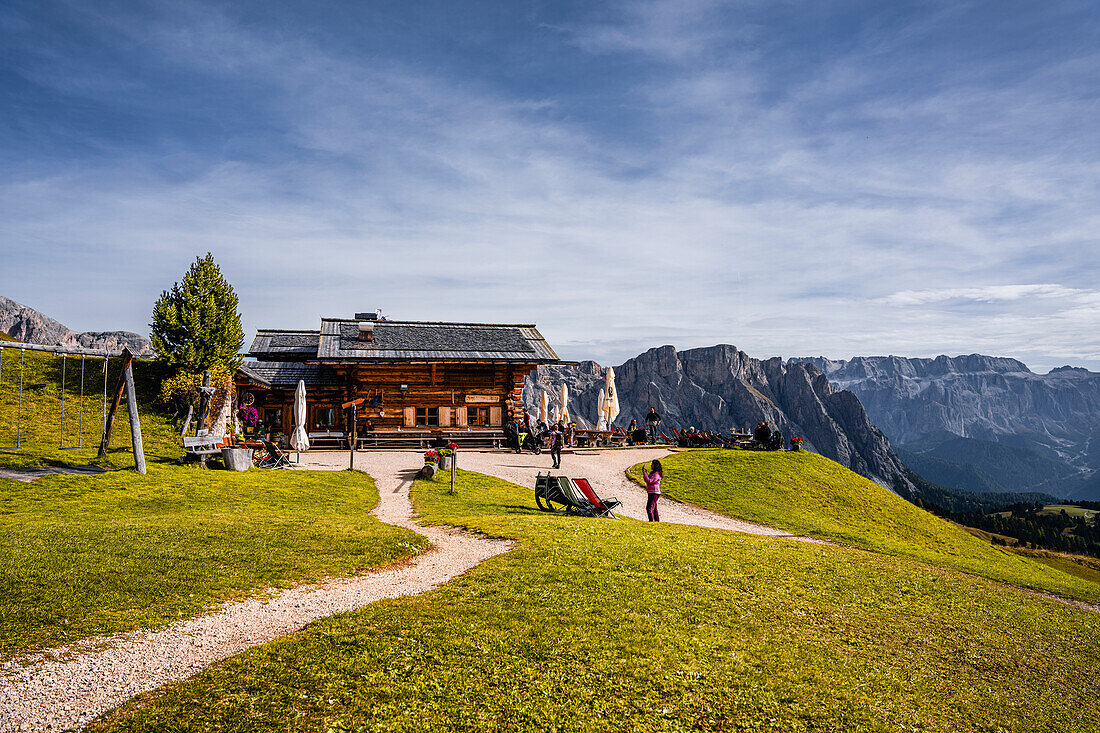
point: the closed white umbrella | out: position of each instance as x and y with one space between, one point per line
563 411
601 409
544 408
611 405
299 439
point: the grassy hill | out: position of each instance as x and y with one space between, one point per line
622 625
809 494
41 427
88 555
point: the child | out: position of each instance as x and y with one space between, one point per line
653 488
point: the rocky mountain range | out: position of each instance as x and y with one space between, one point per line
719 388
982 423
29 326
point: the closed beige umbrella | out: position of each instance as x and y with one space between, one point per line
611 398
563 410
544 408
601 409
299 439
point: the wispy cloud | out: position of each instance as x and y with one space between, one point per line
658 173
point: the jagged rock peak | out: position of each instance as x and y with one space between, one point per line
721 387
30 326
866 367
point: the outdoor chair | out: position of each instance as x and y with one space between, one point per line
274 458
560 494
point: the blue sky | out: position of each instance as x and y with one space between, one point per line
831 178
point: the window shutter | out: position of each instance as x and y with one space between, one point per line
460 417
444 417
410 417
494 416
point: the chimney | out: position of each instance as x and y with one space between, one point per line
366 331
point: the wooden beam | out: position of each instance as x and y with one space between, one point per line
135 421
127 357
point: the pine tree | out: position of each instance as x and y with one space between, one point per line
196 325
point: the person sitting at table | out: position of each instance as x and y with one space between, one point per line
776 441
762 434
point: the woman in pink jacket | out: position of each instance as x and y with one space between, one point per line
653 488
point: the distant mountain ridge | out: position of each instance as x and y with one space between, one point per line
30 326
1050 421
719 388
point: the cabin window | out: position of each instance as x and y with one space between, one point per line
273 417
477 415
427 416
324 417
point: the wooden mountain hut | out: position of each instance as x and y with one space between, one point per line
418 380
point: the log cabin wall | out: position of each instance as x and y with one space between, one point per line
455 392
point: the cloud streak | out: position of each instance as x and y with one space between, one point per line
658 173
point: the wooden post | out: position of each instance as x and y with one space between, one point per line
454 468
351 453
127 357
187 422
135 422
205 399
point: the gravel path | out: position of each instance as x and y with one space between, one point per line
606 470
67 687
27 475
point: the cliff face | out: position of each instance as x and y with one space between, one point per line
983 397
719 388
1051 421
32 327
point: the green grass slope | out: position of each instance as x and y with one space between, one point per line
88 555
809 494
41 427
622 625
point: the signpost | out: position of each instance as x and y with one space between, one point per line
351 448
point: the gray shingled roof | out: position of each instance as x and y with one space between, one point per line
338 340
272 343
285 374
415 340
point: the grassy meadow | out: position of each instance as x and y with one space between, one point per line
90 555
808 494
620 625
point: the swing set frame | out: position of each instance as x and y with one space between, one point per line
125 384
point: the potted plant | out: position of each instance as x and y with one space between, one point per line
248 415
446 454
796 444
432 456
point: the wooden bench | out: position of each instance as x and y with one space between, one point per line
199 447
202 445
336 437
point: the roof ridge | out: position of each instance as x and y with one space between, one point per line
433 323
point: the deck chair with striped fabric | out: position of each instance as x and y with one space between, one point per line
562 494
274 457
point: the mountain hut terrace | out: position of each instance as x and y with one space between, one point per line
418 380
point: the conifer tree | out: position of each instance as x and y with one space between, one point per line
196 325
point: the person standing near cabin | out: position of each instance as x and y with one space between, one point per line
557 440
652 420
653 489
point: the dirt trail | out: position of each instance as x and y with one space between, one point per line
67 687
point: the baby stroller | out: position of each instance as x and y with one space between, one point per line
529 441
